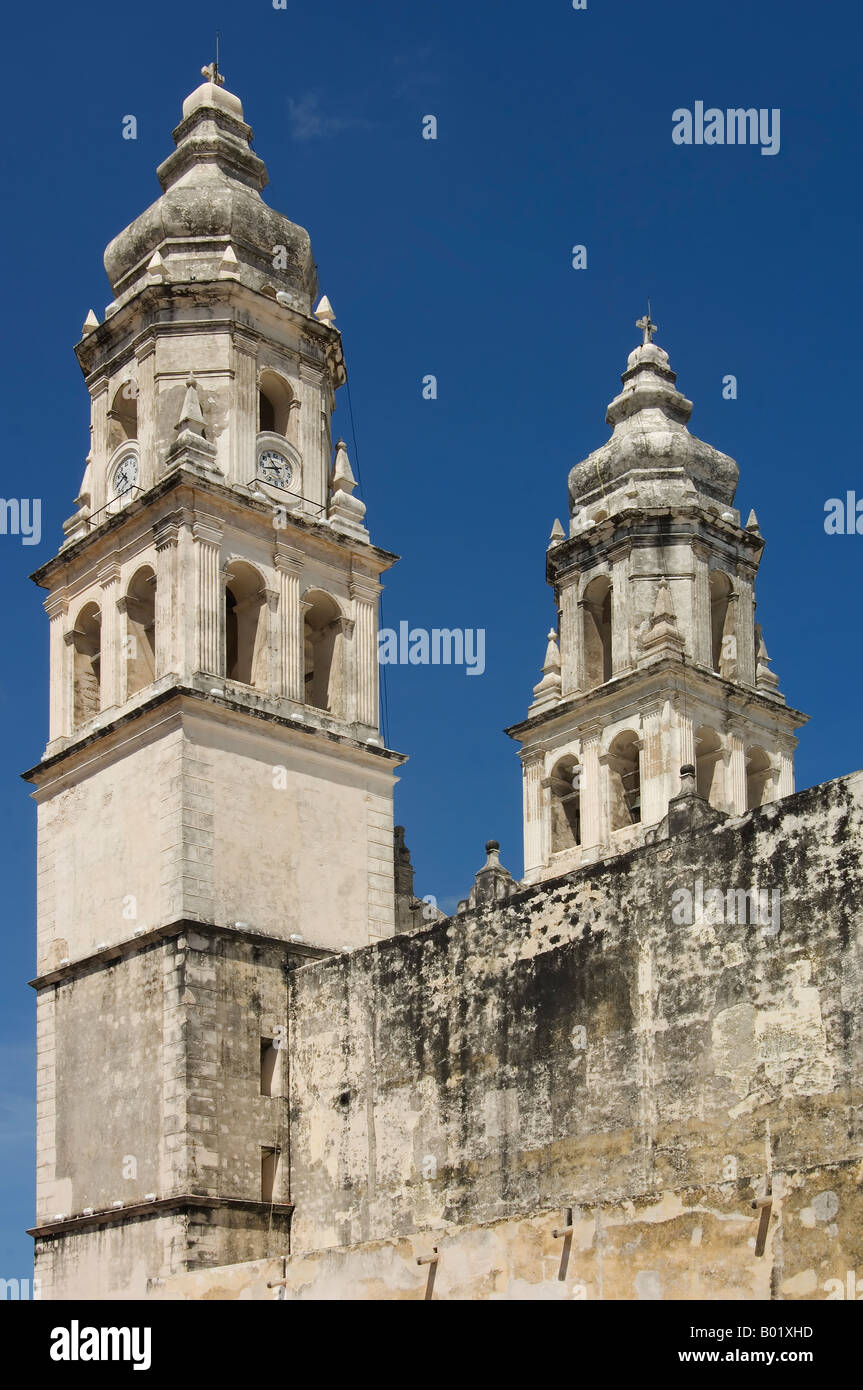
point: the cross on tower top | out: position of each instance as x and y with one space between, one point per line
648 328
211 72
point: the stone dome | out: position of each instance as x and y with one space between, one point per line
211 199
649 422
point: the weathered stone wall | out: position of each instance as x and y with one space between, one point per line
460 1085
695 1243
158 1060
577 1047
194 813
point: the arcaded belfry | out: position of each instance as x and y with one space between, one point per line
660 662
215 801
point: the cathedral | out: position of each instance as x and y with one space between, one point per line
266 1070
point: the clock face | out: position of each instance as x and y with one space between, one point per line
274 468
125 474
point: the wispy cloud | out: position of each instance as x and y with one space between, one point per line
309 121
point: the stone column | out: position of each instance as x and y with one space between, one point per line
570 637
274 657
703 640
654 769
99 443
723 757
71 645
580 618
289 566
745 624
771 785
148 464
110 684
686 751
785 785
313 443
168 607
729 651
343 679
210 596
60 658
245 415
591 791
123 636
364 593
620 609
736 793
532 812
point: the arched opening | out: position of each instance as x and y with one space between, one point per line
565 805
140 644
597 632
723 644
758 778
245 625
624 781
322 631
274 404
87 644
709 766
123 415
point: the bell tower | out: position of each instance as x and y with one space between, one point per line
657 662
215 799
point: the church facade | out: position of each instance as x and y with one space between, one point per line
262 1072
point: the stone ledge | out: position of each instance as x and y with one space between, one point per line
162 1205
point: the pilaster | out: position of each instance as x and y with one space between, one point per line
111 684
534 820
571 637
168 654
209 614
289 567
364 594
57 608
737 770
591 793
745 625
703 639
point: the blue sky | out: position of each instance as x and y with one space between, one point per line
453 257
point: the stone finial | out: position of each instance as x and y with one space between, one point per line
229 265
191 416
688 811
493 883
404 882
649 419
156 266
191 447
90 323
752 523
343 474
324 313
661 633
345 512
549 689
557 533
766 680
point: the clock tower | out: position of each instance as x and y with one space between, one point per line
215 799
